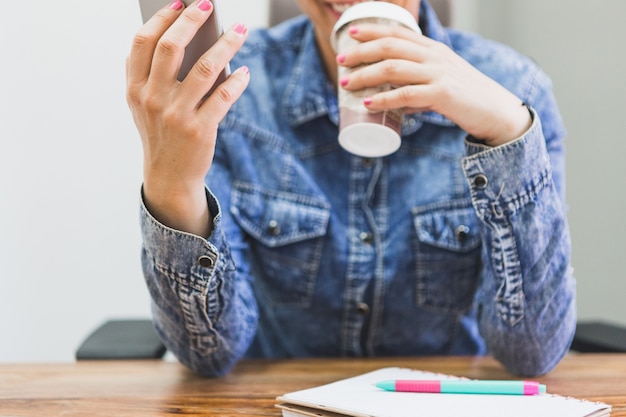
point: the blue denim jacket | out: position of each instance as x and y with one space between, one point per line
444 247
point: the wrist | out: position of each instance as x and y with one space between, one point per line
183 208
516 123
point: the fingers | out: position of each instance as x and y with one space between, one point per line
381 49
413 98
170 49
139 60
215 107
397 72
366 32
158 50
207 69
395 55
415 65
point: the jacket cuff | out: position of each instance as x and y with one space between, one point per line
189 259
504 178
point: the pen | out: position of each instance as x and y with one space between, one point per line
464 386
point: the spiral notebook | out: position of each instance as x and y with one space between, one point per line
358 397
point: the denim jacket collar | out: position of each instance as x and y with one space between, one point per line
309 94
308 97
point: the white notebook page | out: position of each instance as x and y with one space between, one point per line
359 396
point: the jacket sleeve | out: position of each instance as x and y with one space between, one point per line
203 307
526 296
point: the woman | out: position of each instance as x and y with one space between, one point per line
263 238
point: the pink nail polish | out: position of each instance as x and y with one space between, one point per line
176 5
240 28
354 30
341 58
343 81
367 101
205 5
244 70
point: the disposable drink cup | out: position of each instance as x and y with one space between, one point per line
361 131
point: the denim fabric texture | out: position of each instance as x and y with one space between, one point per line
446 247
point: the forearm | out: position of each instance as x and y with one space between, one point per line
203 307
527 295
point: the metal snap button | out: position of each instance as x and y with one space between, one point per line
368 162
481 181
206 261
362 308
273 228
366 238
462 232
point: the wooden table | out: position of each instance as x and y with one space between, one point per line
161 388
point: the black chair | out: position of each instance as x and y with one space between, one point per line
598 337
122 339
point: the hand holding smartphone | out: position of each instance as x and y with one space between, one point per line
177 126
206 36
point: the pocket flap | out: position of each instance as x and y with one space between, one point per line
452 226
277 218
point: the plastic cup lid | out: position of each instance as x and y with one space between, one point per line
375 9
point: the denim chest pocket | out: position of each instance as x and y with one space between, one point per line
448 260
286 238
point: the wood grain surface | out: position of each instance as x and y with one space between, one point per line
165 388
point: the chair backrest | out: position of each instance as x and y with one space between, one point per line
284 9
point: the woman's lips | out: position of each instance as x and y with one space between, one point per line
337 9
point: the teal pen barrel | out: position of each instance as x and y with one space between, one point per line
491 387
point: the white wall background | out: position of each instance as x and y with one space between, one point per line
580 44
70 159
70 171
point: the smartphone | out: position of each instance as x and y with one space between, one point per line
206 36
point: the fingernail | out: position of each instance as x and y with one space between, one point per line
354 30
205 5
343 81
367 101
341 58
176 5
244 70
240 28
